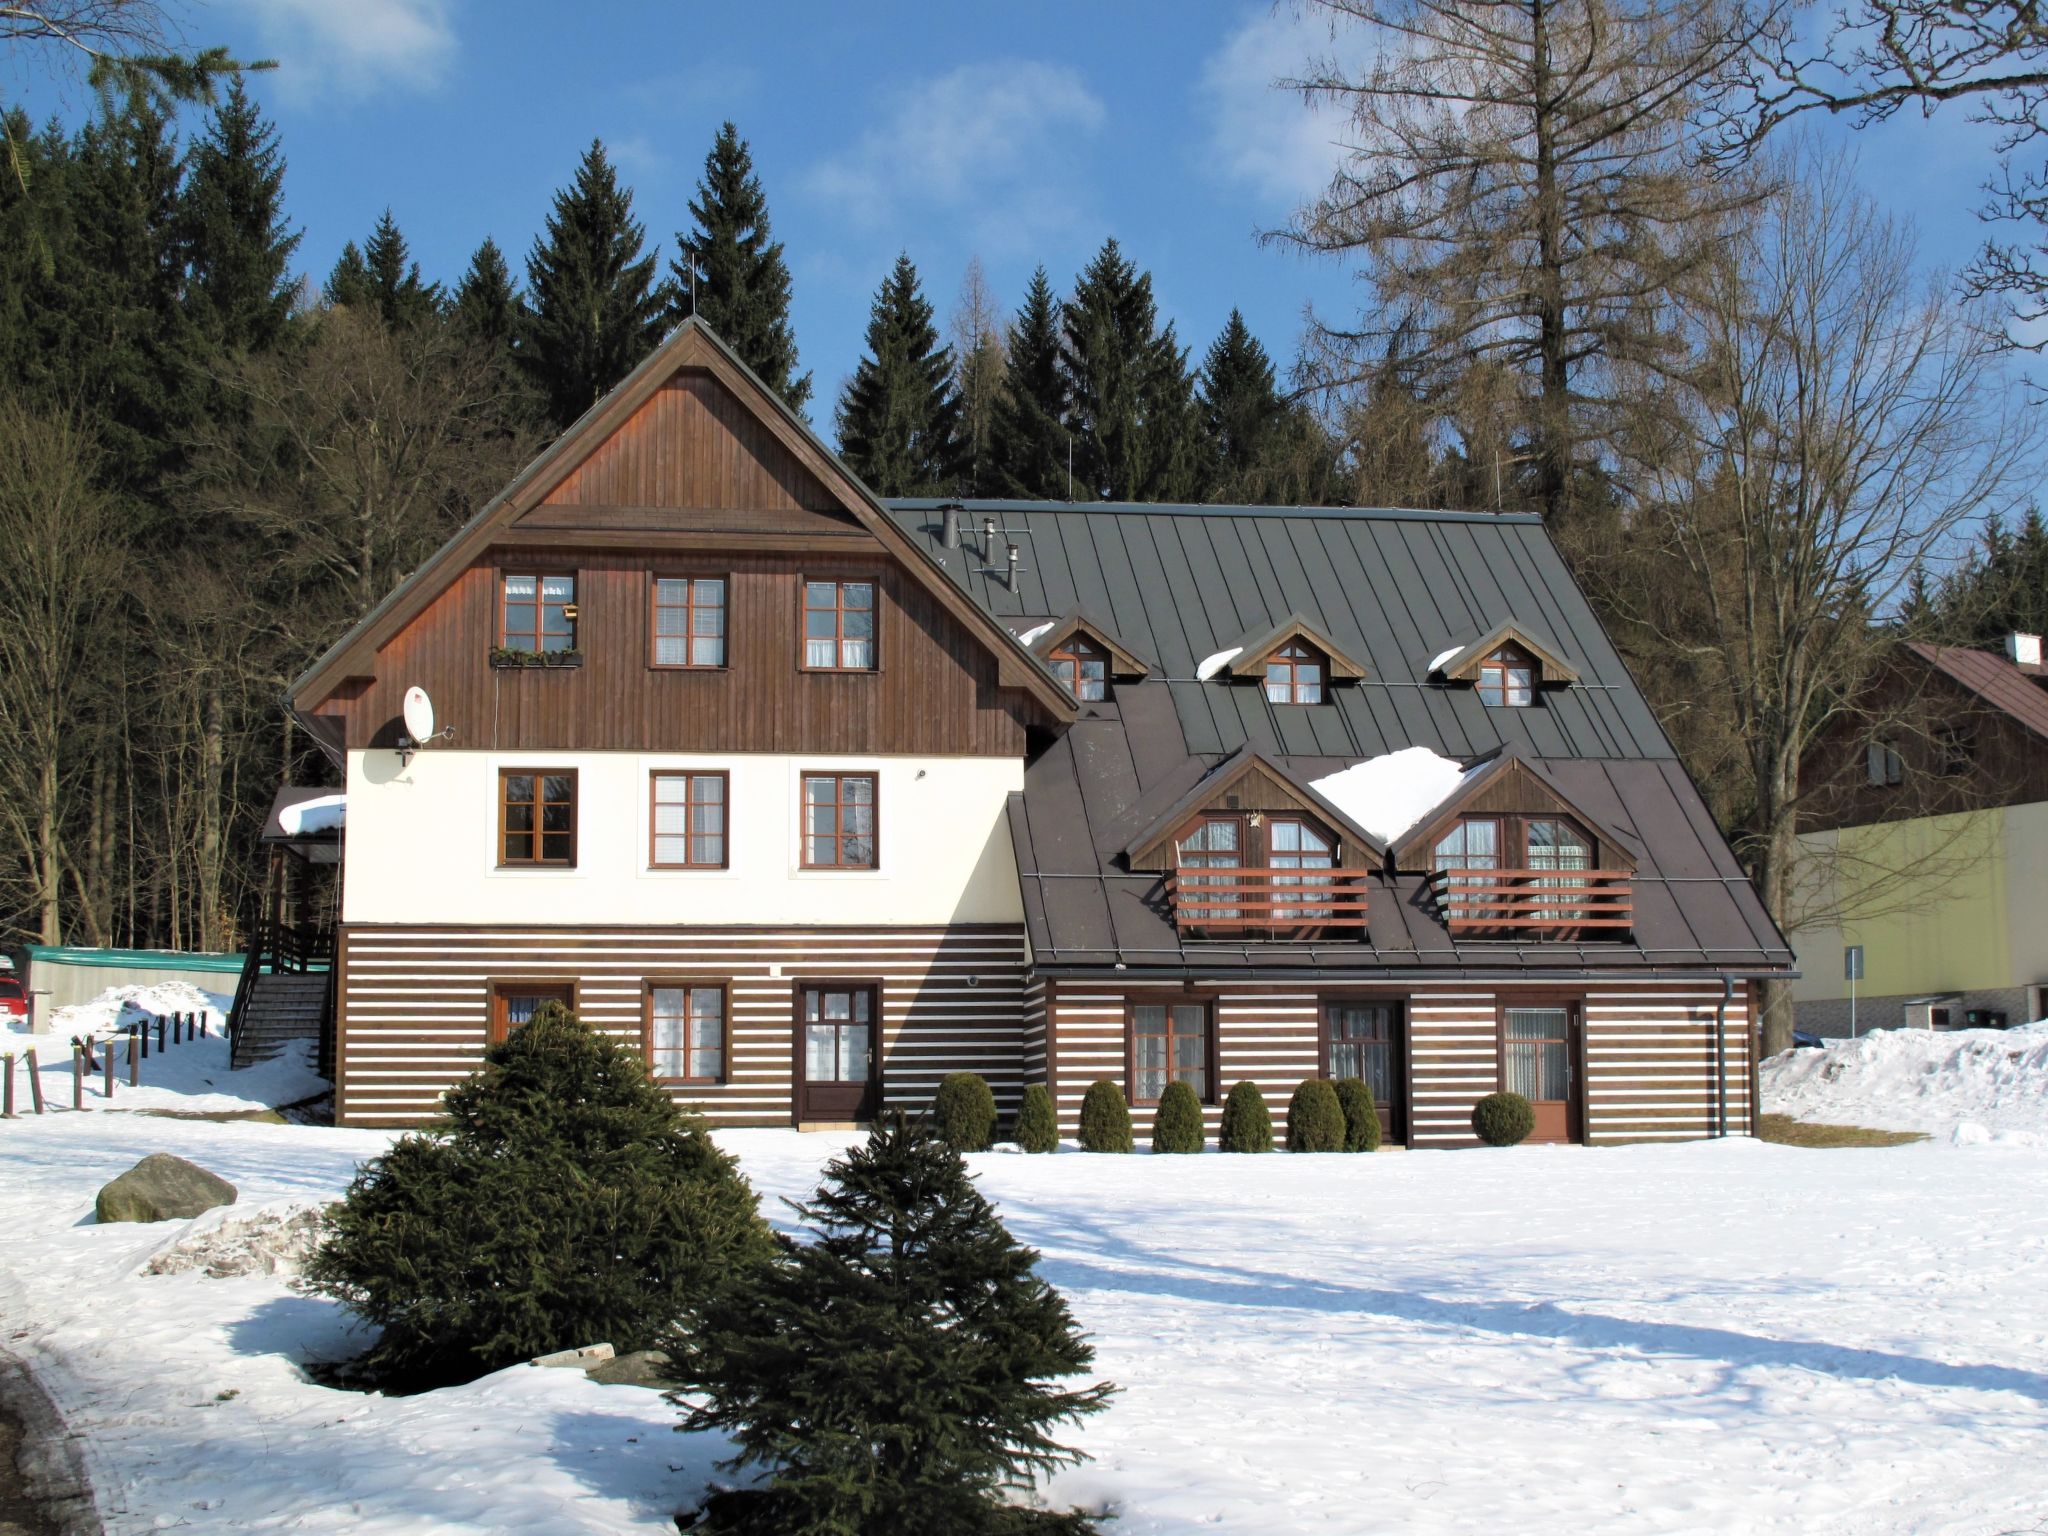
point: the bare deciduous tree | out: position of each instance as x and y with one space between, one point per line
979 364
1520 184
1843 421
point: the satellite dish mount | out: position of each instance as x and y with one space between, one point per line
419 725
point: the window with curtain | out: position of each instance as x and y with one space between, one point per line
689 821
839 625
1536 1051
1358 1041
1294 844
1082 668
689 621
1217 843
686 1033
1169 1044
839 820
538 612
536 818
1557 845
1294 675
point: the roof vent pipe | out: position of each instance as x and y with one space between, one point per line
949 525
988 538
1013 567
2024 649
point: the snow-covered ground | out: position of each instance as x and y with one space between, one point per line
191 1077
1716 1338
1957 1085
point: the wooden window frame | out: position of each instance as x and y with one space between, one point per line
1884 755
1404 1026
799 1075
719 984
575 818
497 988
839 610
1513 834
1574 1004
1090 649
654 775
689 607
540 578
1310 655
803 820
1503 658
1133 1001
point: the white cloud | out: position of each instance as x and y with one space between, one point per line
354 48
1260 133
996 144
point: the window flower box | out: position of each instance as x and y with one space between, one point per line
505 656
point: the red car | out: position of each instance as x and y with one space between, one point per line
13 1001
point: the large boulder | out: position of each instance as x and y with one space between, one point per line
162 1188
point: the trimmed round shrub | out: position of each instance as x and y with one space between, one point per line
1503 1119
1247 1123
1315 1120
964 1110
1105 1119
1038 1128
1361 1116
1177 1127
563 1198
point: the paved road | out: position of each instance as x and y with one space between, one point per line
18 1517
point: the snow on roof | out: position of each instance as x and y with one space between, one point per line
326 814
1388 795
1211 665
1031 637
1446 656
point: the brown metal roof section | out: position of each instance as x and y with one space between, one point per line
1123 661
1254 648
1464 666
2000 683
692 345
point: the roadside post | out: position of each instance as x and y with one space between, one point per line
1852 972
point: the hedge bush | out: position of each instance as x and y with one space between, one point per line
964 1110
561 1199
1315 1120
1177 1127
1247 1124
1503 1119
1105 1119
1038 1128
1362 1131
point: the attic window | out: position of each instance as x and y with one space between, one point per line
1295 674
538 613
1508 677
1082 668
1504 874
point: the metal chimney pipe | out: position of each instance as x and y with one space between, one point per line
949 526
1013 567
988 538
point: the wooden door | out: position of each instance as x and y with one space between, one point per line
838 1055
1539 1045
513 1002
1367 1040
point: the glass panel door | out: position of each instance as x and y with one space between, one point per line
1363 1040
1216 844
836 1028
1536 1058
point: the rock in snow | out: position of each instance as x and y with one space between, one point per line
160 1188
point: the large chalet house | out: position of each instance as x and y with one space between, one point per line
819 797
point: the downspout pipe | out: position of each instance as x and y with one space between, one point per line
1721 1056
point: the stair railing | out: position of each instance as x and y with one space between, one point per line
287 947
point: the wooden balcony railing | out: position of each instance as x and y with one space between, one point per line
1509 901
1274 902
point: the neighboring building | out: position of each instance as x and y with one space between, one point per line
1926 842
821 798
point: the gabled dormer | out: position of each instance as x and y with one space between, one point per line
1294 661
1508 666
1252 851
1509 854
1084 655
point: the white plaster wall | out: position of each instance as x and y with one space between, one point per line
421 844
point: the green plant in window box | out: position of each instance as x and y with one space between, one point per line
513 656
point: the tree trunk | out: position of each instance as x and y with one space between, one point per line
49 862
1553 403
212 761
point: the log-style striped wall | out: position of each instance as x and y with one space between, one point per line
1649 1066
413 1005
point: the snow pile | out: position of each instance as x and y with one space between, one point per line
1211 665
328 813
1437 664
232 1240
118 1007
1967 1086
1388 795
1032 636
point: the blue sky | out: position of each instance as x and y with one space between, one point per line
1021 134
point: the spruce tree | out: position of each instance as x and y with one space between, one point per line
1241 411
897 1372
1028 447
486 307
348 283
563 1199
899 419
596 308
238 246
1132 398
731 275
401 297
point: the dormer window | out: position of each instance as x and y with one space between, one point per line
1082 668
1507 677
1294 675
1532 872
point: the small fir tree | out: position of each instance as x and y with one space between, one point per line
1241 412
486 305
1038 1127
1247 1123
563 1199
348 283
238 246
1315 1120
1131 398
964 1112
402 299
1028 446
896 1373
1105 1119
1361 1116
899 419
1177 1126
732 275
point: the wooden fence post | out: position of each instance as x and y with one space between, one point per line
35 1081
134 1061
107 1061
202 1023
77 1075
7 1095
142 1027
159 1032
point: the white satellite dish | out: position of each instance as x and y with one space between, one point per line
419 714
